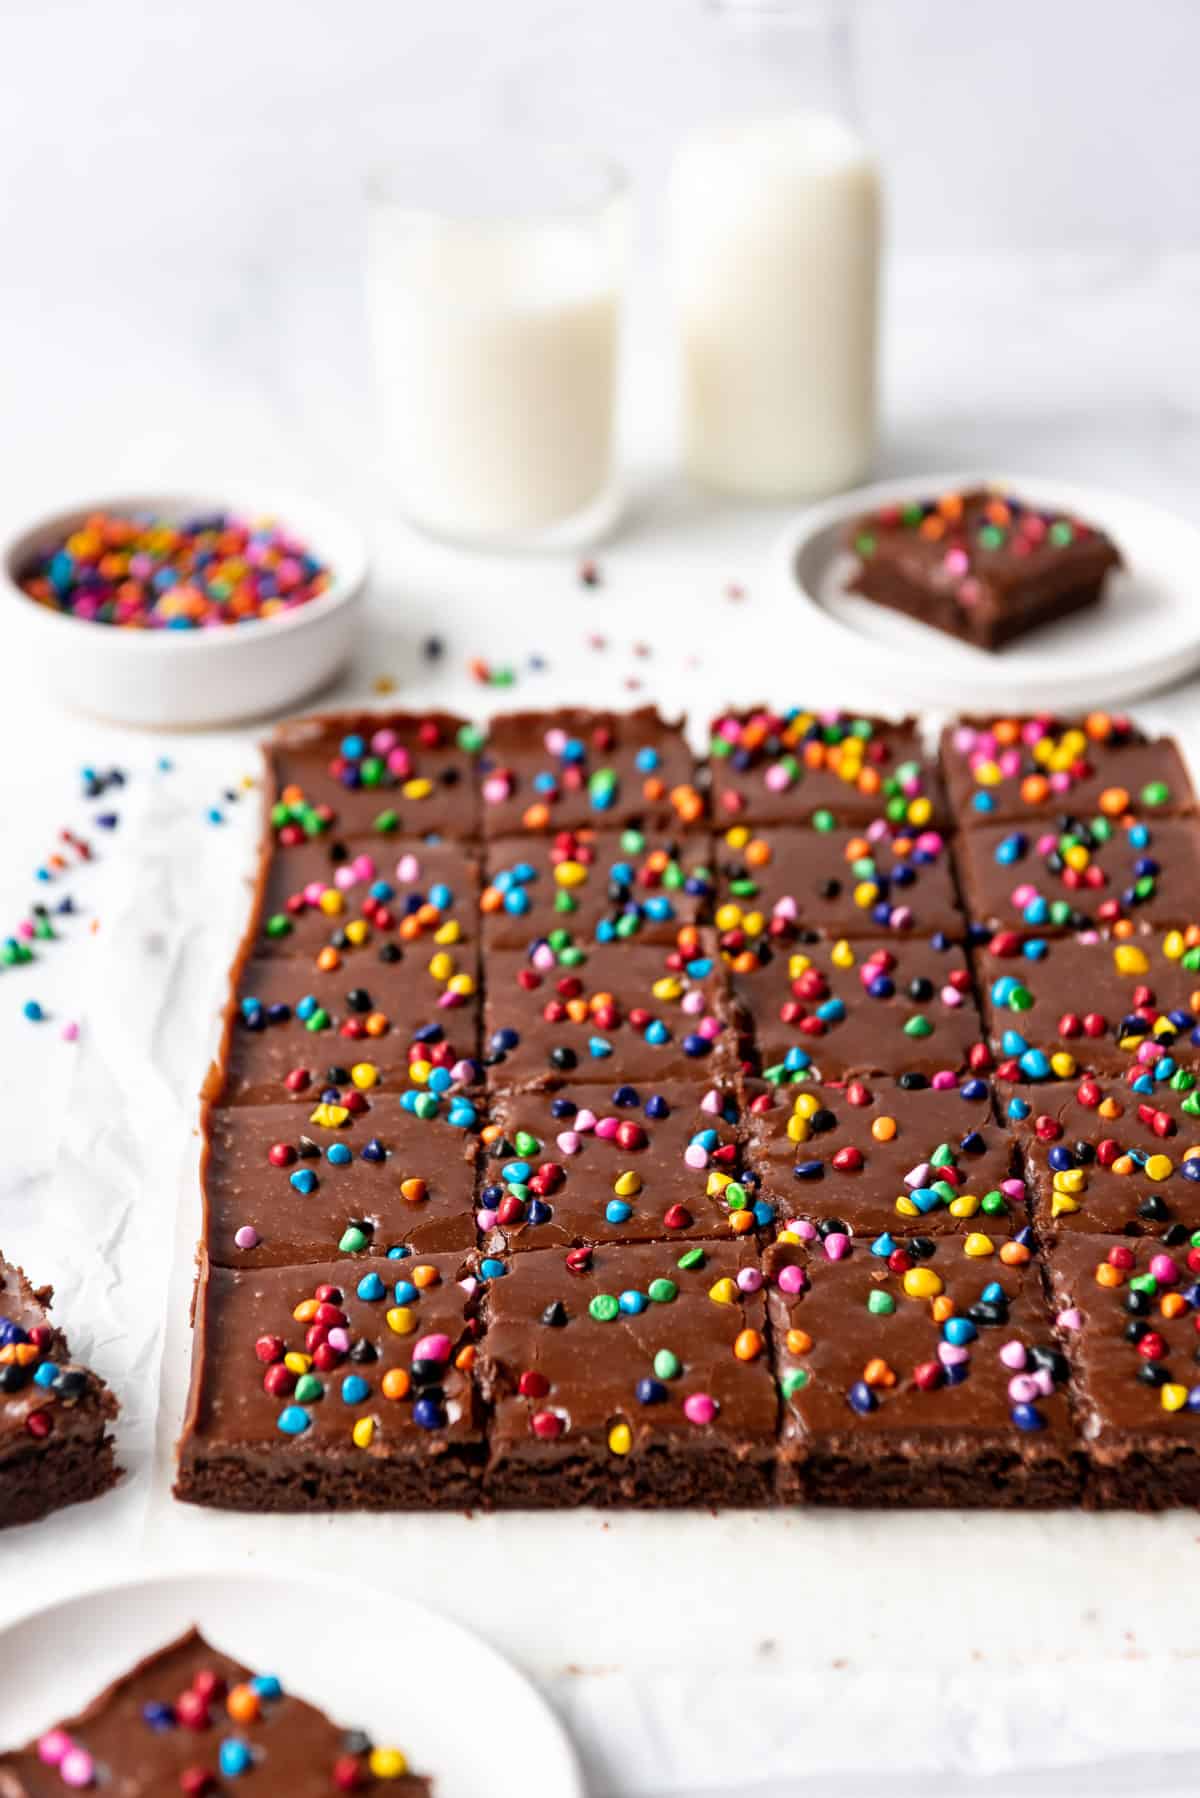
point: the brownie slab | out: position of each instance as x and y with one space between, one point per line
55 1449
925 1380
579 887
629 1375
786 767
984 566
1029 770
844 882
293 1029
631 1164
1105 1157
649 1012
190 1718
1055 1006
347 1386
374 774
870 1158
291 1184
1079 874
363 902
822 1010
1127 1312
559 770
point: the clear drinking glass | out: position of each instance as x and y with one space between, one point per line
495 280
774 226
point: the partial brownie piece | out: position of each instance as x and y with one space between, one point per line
374 774
294 1030
1128 1310
1077 875
785 767
1105 1156
984 565
867 1005
926 1376
289 1184
192 1719
347 1386
1056 1006
353 899
649 1012
1030 770
580 887
55 1449
839 1163
638 1163
843 882
629 1375
561 769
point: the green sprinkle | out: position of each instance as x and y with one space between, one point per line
793 1380
387 823
667 1365
690 1258
662 1291
918 1026
880 1303
353 1240
308 1388
604 1307
1156 792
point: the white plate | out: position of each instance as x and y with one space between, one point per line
410 1677
185 679
1145 633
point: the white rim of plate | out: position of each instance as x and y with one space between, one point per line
568 1774
913 675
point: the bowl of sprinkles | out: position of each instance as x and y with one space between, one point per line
184 611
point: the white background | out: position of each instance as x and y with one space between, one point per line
179 293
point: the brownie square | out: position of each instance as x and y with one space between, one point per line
1127 1312
291 1184
652 1012
55 1449
167 1726
863 1160
925 1380
983 566
1030 770
659 1160
1105 1157
293 1030
1057 1005
374 774
631 1374
843 882
786 767
364 901
558 770
1077 874
822 1010
579 887
343 1386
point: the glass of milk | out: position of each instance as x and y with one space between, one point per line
494 283
774 221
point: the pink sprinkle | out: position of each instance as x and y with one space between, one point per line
901 917
801 1227
749 1279
1164 1270
496 788
569 1142
52 1746
383 741
951 996
944 1080
792 1279
695 1155
408 869
486 1220
1014 1355
1070 1319
70 1032
699 1408
585 1120
1023 895
1022 1390
951 1354
836 1245
433 1348
246 1237
25 931
606 1128
462 1071
76 1768
1013 1189
777 778
400 762
339 1338
711 1100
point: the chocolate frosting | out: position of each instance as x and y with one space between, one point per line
562 769
846 882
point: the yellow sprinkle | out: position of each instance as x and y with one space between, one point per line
1063 1064
570 874
805 1104
922 1283
1129 959
798 1128
1173 1397
716 1183
419 1072
331 902
667 988
977 1244
1070 1179
297 1363
737 836
798 964
728 917
626 1184
365 1075
449 932
905 1206
1076 856
402 1319
463 984
865 894
331 1117
842 955
356 932
1062 1206
364 1432
441 966
620 1439
387 1763
965 1205
724 1292
1173 945
1159 1167
417 789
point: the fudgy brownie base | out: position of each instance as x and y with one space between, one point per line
943 1476
68 1472
232 1482
660 1479
1042 603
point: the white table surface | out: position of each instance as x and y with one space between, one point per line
688 1654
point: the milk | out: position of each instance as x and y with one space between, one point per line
775 247
495 354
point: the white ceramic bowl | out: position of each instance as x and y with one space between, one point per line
188 679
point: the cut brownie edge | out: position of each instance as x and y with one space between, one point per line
261 1483
658 1478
